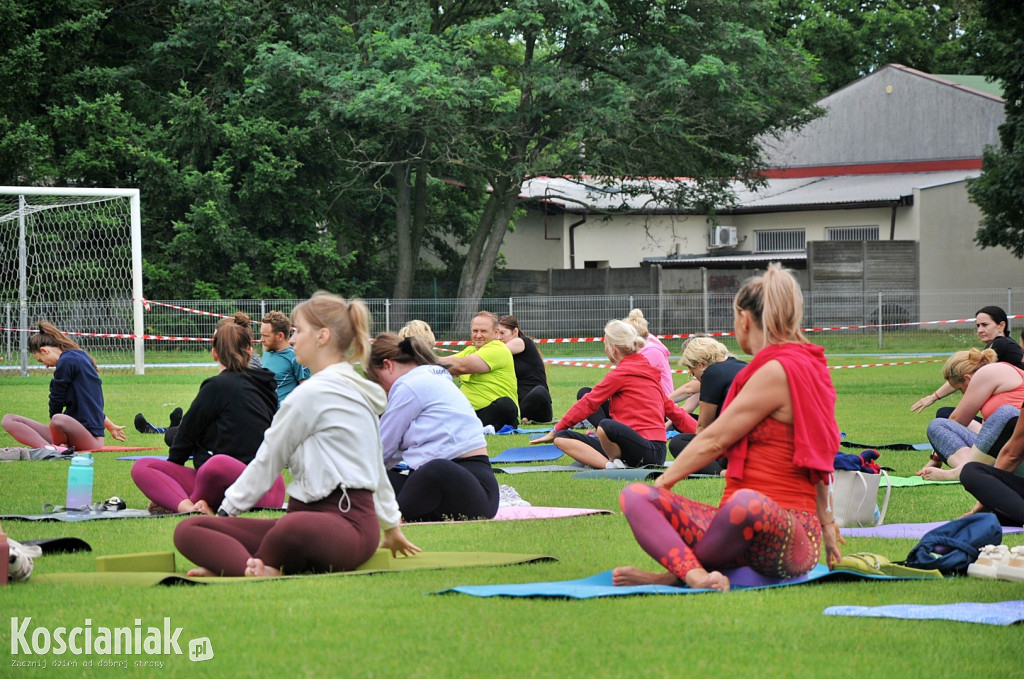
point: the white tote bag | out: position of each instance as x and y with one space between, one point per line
855 498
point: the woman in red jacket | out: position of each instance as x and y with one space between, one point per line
634 433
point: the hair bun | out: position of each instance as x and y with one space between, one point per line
406 346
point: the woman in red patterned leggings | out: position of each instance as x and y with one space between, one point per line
778 430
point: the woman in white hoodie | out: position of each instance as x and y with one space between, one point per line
327 434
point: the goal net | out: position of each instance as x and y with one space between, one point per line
72 257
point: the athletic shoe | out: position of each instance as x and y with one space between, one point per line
988 562
1013 568
615 464
144 427
176 417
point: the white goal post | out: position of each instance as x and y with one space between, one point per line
72 257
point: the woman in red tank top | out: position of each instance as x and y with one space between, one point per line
779 432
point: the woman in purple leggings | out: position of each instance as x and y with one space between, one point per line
221 432
326 433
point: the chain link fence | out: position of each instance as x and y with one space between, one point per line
896 321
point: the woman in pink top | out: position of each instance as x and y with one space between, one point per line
993 388
653 349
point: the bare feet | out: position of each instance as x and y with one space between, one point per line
186 506
255 568
627 575
936 474
699 578
203 508
200 572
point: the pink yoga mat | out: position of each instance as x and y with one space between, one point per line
120 449
519 513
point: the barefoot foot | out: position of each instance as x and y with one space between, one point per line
203 508
200 572
699 578
255 568
627 575
936 474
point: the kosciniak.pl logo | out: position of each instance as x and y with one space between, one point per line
87 640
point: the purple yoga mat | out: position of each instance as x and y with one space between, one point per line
914 531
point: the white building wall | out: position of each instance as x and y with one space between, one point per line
950 258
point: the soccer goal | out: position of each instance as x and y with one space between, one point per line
72 257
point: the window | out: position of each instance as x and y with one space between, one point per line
779 240
851 233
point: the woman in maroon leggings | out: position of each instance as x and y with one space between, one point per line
221 432
778 430
327 434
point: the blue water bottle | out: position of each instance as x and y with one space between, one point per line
80 482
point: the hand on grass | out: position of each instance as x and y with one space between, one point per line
978 508
833 538
923 403
116 431
395 541
546 438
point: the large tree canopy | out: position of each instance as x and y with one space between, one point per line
287 145
999 191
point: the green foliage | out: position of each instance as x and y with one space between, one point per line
851 38
999 191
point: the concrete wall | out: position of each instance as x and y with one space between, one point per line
892 115
950 258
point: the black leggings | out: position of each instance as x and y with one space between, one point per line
602 410
677 443
536 405
500 412
999 490
447 489
636 450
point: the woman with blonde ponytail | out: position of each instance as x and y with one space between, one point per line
779 433
991 387
327 434
76 397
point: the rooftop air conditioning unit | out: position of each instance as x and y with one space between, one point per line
723 237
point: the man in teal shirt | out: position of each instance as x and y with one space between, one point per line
487 374
278 355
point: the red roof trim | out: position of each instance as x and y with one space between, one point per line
872 168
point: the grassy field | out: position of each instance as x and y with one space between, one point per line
390 625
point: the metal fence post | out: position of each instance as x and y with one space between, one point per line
879 319
510 307
387 314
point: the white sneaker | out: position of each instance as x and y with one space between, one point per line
1013 568
992 557
615 464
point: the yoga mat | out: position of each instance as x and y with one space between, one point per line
998 613
85 516
422 561
913 531
639 474
538 468
59 545
648 473
887 446
142 457
523 513
120 449
542 453
913 481
600 585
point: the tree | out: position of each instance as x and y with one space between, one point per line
623 89
852 38
999 191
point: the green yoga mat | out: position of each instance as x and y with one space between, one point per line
913 481
380 563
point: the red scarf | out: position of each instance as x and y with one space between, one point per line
815 432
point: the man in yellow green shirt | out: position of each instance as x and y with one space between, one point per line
486 373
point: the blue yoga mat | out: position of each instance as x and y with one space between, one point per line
600 585
541 453
143 457
998 613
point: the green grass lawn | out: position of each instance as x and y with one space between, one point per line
389 625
